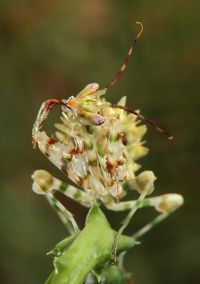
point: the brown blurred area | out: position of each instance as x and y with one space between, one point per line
52 49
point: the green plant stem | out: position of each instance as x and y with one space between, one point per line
90 249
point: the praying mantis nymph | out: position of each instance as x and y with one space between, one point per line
97 146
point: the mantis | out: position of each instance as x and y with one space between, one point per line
97 145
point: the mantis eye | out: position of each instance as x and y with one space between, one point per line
69 104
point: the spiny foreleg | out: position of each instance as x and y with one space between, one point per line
45 108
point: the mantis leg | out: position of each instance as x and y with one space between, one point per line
127 205
44 183
127 220
144 184
166 204
147 202
64 214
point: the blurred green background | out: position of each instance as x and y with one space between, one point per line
52 49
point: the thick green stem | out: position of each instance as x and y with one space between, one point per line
90 249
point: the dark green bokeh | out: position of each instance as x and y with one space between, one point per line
52 49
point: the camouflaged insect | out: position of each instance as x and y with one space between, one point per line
97 145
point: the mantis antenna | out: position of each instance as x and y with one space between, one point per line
118 76
146 120
126 60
